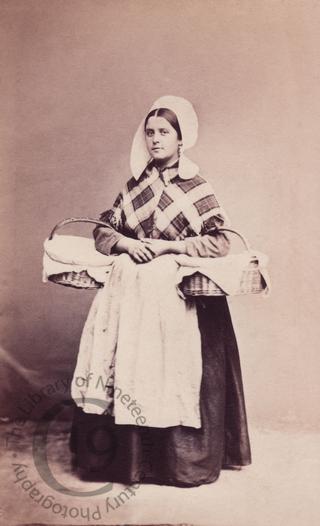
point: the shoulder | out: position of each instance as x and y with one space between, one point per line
134 183
197 182
200 193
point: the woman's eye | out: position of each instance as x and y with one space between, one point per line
164 132
149 133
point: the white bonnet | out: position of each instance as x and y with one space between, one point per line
188 123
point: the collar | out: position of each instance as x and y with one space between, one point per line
184 168
167 174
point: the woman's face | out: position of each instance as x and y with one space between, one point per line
162 140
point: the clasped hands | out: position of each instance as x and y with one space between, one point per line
145 249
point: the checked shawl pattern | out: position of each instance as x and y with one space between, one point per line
161 205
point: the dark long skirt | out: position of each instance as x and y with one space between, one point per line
179 455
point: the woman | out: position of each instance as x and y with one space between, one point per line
168 208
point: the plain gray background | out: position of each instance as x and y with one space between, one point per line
78 76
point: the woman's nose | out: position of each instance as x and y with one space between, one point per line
155 139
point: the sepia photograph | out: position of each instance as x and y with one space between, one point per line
159 358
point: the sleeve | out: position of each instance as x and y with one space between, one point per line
210 242
107 236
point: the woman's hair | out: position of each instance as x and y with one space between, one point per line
167 114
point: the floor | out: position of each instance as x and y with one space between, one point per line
280 488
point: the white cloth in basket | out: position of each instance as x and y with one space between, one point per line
74 253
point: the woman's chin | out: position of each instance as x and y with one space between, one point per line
162 159
158 155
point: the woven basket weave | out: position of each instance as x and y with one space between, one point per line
197 284
251 282
78 280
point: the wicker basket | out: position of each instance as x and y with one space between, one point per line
197 284
252 281
78 280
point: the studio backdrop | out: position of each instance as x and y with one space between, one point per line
77 79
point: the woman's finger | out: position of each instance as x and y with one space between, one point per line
137 257
148 250
144 249
146 254
146 257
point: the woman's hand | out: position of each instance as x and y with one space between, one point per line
159 247
139 251
162 246
145 249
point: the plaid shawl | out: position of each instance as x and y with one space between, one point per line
160 204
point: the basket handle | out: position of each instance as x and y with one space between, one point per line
102 223
76 220
243 239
